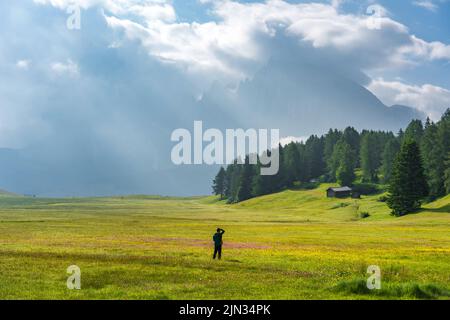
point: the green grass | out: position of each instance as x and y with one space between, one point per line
295 244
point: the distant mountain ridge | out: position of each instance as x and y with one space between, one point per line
309 99
7 193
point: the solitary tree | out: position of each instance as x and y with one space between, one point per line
408 185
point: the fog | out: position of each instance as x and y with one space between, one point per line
87 118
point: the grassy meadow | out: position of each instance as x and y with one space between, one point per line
292 245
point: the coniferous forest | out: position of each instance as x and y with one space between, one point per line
412 165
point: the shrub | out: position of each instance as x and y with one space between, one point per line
364 215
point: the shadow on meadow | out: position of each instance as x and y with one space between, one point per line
443 209
407 290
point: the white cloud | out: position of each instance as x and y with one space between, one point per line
23 64
336 3
153 11
432 100
429 50
69 67
426 4
234 37
286 140
148 9
240 33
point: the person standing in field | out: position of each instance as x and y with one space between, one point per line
217 238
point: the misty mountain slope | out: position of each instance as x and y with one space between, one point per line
128 150
308 99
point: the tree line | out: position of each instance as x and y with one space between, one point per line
415 163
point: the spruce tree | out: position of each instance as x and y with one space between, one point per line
314 157
401 136
291 164
433 159
369 156
444 141
390 152
330 140
408 185
245 182
414 131
447 175
236 170
351 136
263 184
342 163
280 180
227 182
219 183
345 173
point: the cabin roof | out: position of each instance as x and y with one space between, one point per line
341 189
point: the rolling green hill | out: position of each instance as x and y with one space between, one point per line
296 244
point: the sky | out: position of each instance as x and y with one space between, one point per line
116 87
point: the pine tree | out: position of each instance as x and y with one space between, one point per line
351 136
333 163
444 131
219 183
444 142
414 132
447 175
245 182
262 184
408 184
291 164
330 140
280 180
343 163
370 157
233 182
314 158
227 182
345 173
400 135
390 152
433 159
